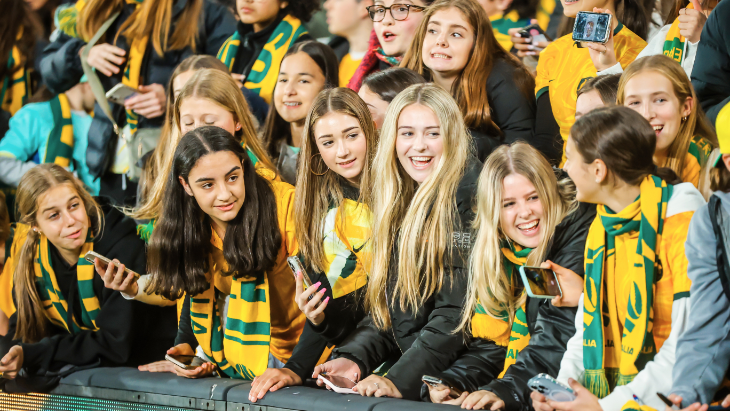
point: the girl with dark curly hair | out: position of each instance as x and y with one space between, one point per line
266 30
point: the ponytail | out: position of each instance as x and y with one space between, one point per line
634 16
31 318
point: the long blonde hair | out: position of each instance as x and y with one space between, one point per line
219 87
423 216
696 123
315 193
32 323
488 283
152 19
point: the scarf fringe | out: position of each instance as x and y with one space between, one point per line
597 383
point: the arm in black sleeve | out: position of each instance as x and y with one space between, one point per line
61 65
342 316
367 346
185 328
553 326
547 137
436 347
307 352
711 72
481 363
219 26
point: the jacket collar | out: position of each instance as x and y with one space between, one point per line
246 30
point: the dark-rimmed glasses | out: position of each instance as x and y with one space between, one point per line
399 12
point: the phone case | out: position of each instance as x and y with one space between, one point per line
337 389
295 266
551 388
197 362
608 31
523 276
119 93
90 255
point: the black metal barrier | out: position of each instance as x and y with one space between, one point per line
107 389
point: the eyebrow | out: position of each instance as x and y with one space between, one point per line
54 207
528 195
425 128
202 179
301 74
438 23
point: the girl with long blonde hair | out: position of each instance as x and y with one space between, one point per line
526 214
332 222
140 49
57 291
659 89
422 198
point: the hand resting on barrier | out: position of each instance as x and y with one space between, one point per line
204 370
341 367
377 386
12 362
271 380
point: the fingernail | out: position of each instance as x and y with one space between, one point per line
531 53
531 47
317 284
323 290
326 299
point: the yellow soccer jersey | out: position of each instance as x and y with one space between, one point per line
564 68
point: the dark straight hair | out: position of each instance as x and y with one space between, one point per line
180 243
606 86
276 129
634 16
388 83
623 140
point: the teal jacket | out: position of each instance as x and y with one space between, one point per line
25 144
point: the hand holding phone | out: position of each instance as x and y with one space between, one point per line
597 37
119 93
121 279
540 282
440 385
551 388
310 298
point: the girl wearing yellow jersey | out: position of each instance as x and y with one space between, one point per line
657 88
221 243
332 223
525 215
62 316
635 299
454 48
565 66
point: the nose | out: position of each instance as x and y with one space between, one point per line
441 40
523 211
647 110
387 19
342 150
68 218
289 88
223 193
419 143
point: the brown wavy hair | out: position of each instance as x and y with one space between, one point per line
19 26
469 89
151 19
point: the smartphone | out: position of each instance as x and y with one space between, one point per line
439 383
534 32
186 362
540 282
339 385
592 27
120 92
296 266
671 405
551 388
90 255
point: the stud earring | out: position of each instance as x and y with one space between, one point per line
685 118
238 127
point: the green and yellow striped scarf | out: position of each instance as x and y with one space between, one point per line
675 45
501 25
54 304
60 145
241 350
265 70
15 86
635 347
67 17
487 327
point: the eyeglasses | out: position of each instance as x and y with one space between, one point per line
399 12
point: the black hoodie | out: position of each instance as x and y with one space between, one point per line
130 333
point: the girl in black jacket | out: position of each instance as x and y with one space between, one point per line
524 216
141 49
455 48
64 314
422 210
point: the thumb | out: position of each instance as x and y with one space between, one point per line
145 89
533 21
696 4
575 385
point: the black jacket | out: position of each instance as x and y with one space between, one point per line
421 342
512 111
61 70
711 72
550 329
130 333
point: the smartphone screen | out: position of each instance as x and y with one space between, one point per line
340 382
542 281
591 27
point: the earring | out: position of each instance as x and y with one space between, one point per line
684 118
238 127
311 161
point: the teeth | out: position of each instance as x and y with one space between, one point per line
441 56
527 226
292 104
657 128
421 158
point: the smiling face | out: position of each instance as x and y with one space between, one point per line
522 211
376 105
300 80
198 112
652 95
217 184
395 36
419 143
588 102
572 7
260 13
342 144
448 42
62 218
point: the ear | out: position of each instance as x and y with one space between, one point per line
238 126
362 9
186 186
599 171
503 5
283 4
687 106
726 160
